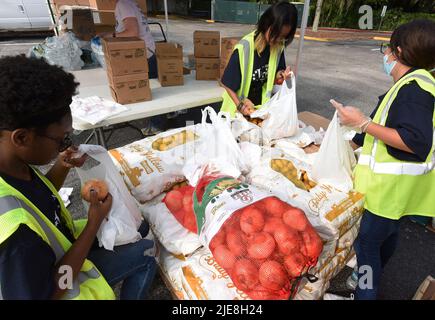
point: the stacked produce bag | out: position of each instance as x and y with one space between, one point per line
238 217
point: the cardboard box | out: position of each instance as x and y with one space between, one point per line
83 24
58 3
125 56
170 64
227 45
104 18
102 4
207 68
100 28
314 120
206 44
426 291
143 6
130 88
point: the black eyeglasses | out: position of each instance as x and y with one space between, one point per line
64 143
384 47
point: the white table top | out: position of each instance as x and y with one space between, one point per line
94 82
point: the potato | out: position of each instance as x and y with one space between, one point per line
288 170
175 140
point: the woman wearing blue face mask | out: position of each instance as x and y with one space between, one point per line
395 170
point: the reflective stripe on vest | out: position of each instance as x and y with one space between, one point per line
245 44
246 52
9 203
397 168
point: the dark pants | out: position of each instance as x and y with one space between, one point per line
129 264
374 246
157 122
152 66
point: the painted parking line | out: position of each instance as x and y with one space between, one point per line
314 38
381 38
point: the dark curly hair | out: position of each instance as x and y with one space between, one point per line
33 94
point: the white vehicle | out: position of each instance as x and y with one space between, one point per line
24 15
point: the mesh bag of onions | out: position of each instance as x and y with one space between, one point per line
264 244
180 204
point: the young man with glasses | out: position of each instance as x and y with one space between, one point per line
44 254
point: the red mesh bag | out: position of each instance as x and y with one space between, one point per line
179 202
265 246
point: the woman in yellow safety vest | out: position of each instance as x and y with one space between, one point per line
257 62
395 168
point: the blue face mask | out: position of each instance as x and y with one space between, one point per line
388 67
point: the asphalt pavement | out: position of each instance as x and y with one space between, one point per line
348 71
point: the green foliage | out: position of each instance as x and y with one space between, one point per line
344 13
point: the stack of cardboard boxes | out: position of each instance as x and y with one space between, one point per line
127 69
170 64
207 52
86 25
227 47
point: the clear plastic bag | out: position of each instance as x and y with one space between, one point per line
63 51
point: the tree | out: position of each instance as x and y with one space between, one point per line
317 16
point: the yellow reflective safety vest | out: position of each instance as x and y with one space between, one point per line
15 209
395 188
246 48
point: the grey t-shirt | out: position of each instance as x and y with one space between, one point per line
127 9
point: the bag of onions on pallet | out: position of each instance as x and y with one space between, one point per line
264 244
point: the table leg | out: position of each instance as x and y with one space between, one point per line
90 137
100 137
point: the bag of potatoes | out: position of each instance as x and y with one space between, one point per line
153 165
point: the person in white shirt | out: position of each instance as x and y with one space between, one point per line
132 22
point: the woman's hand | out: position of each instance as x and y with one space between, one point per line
67 160
282 75
350 116
248 107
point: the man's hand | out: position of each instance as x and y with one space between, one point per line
282 75
248 107
67 160
350 116
98 210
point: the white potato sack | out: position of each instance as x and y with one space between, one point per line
199 277
152 165
328 266
331 211
170 233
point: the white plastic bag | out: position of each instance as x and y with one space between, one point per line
124 217
95 109
280 113
335 160
245 131
218 148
